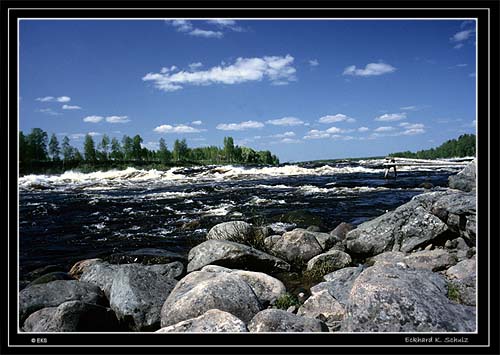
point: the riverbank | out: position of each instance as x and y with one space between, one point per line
412 269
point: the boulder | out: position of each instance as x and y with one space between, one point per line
212 321
390 298
201 291
313 229
328 262
389 257
79 267
233 255
52 276
465 180
297 246
53 293
338 283
277 320
341 230
235 231
147 256
326 240
434 260
266 288
470 229
462 285
137 295
324 307
72 316
406 228
102 273
271 240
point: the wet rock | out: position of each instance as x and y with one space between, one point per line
302 218
406 228
338 283
462 277
147 256
235 256
389 298
212 321
235 231
341 230
191 225
137 295
324 307
201 291
38 272
72 316
470 229
465 180
328 262
52 294
297 246
277 320
325 240
79 267
313 229
434 260
426 185
52 276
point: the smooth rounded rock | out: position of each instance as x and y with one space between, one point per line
277 320
212 321
328 262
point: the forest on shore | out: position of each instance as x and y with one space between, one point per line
40 154
463 146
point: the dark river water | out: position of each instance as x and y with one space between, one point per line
74 216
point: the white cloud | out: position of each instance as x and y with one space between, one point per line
194 66
281 135
196 123
222 22
206 33
276 69
93 119
408 108
93 134
69 107
316 134
49 111
413 131
458 46
54 99
117 119
370 69
336 118
286 121
313 62
461 36
363 129
408 125
239 126
176 129
77 135
290 141
384 129
391 117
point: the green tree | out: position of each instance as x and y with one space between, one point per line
104 147
67 150
37 144
116 150
23 148
229 149
89 149
136 147
54 149
180 150
163 153
127 144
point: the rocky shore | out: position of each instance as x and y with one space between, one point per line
412 269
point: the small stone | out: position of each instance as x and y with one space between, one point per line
291 309
429 247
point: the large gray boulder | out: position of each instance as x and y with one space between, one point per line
201 291
465 180
212 321
328 262
102 274
462 285
137 295
52 294
339 283
235 256
297 246
235 231
324 307
434 260
406 228
394 298
79 267
72 316
277 320
267 288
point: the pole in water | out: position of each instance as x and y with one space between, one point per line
388 168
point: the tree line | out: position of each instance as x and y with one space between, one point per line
464 146
37 150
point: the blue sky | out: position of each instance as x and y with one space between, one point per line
303 89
